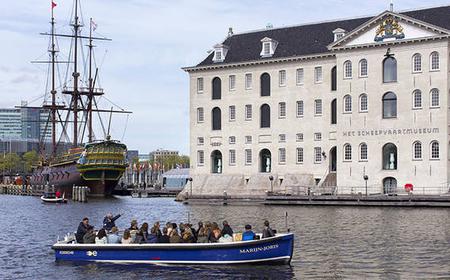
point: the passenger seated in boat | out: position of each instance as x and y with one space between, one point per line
89 237
101 237
82 229
175 237
142 234
194 234
109 221
215 233
202 236
134 229
153 236
267 231
200 225
188 236
113 237
126 238
57 194
225 239
248 234
226 229
164 237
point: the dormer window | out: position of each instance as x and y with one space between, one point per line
338 34
220 52
268 47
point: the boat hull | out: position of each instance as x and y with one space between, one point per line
66 176
274 250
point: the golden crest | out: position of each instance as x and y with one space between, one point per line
389 28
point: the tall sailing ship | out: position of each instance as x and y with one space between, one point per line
78 160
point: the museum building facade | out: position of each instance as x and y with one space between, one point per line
341 106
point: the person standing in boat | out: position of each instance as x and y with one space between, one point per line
267 231
109 221
83 228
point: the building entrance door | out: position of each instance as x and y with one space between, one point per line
216 162
389 185
265 161
333 159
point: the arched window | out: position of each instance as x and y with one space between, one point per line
216 119
417 62
389 157
417 99
265 115
216 88
389 105
348 69
216 162
347 152
363 155
434 150
347 104
333 79
265 84
434 61
389 69
434 98
417 150
363 69
333 111
363 103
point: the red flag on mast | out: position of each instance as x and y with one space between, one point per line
53 4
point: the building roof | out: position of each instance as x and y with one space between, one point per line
309 39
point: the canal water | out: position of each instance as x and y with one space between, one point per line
331 242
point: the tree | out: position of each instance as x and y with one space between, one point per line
30 159
10 163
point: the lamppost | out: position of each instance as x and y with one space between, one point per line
365 179
190 182
271 183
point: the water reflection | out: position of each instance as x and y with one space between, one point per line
331 242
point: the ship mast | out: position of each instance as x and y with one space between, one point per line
91 85
53 91
75 75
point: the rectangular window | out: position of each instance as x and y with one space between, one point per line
232 81
248 81
199 85
218 55
282 78
318 107
282 138
317 136
232 112
281 155
300 109
200 157
232 139
232 157
318 74
248 156
266 48
248 112
317 154
299 155
300 76
299 137
200 141
282 110
200 115
248 139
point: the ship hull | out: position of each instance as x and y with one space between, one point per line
66 176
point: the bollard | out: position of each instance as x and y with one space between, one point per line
73 193
83 194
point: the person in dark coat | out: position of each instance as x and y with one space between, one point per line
109 221
83 228
89 237
267 231
164 237
226 229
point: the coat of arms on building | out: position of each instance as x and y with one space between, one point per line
389 28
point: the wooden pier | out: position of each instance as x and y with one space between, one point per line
22 190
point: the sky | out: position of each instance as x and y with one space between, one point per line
151 40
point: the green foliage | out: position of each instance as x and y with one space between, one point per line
10 163
30 159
